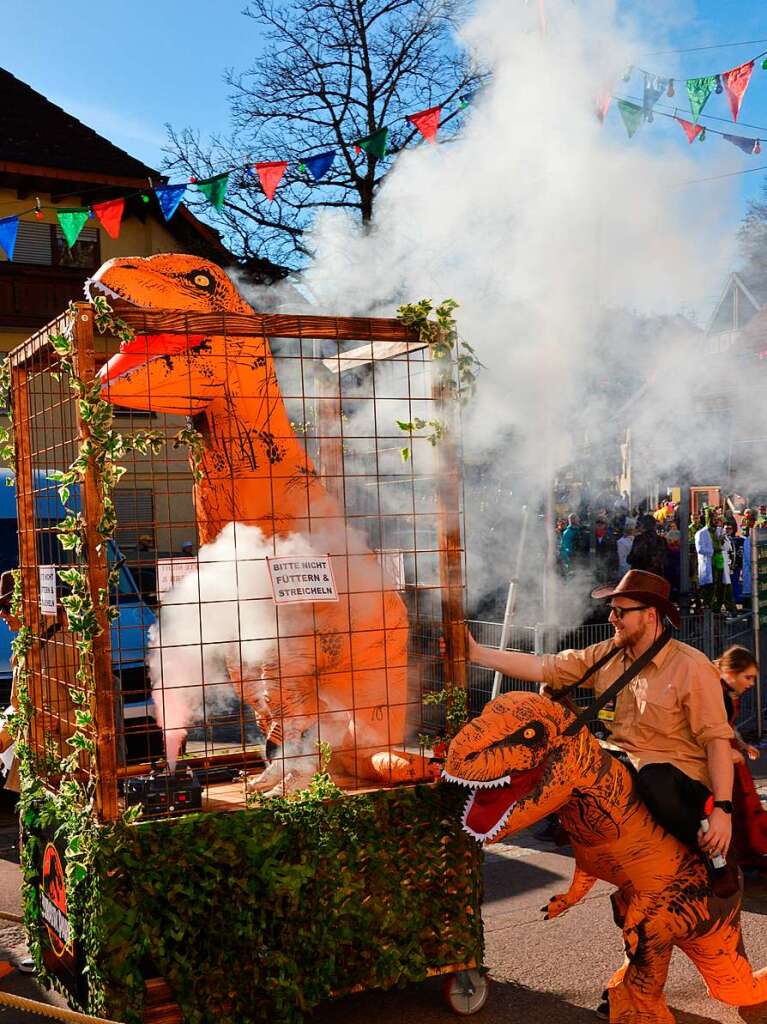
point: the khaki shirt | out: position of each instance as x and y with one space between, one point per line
666 714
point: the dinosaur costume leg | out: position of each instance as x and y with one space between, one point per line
721 958
636 989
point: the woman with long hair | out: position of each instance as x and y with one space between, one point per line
738 671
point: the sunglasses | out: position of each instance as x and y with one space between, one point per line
620 612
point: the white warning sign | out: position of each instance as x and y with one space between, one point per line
302 578
47 589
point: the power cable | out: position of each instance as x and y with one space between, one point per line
700 49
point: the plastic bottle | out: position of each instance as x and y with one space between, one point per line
717 861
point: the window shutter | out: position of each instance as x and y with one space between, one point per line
135 516
33 243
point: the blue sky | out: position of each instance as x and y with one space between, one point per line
126 69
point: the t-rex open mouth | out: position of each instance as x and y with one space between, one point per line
142 348
490 803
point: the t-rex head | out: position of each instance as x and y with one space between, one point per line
517 764
177 373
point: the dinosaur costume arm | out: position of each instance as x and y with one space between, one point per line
582 883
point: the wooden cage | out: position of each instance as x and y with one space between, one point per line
377 424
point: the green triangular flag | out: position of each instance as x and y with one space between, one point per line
632 116
72 222
375 144
699 90
215 189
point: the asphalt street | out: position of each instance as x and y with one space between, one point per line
543 972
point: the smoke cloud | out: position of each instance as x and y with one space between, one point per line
563 242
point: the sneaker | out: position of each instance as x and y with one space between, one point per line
26 965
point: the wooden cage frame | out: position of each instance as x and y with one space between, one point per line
383 338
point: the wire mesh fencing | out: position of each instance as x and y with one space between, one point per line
288 529
707 631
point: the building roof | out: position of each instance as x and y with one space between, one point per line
36 133
751 298
40 144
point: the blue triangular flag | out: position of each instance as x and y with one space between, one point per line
747 145
169 196
9 227
319 165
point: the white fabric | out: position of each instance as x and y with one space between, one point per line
625 544
728 551
704 545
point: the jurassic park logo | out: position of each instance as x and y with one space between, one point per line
53 902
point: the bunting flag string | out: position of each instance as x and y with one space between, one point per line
318 165
747 145
692 131
633 115
72 222
214 189
169 197
270 174
110 215
733 82
427 122
373 144
698 92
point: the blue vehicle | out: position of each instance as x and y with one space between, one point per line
143 740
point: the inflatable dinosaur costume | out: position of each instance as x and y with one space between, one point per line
521 768
349 670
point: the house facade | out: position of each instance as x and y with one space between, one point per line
50 161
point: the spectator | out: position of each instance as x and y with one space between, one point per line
648 551
739 671
605 551
624 546
570 543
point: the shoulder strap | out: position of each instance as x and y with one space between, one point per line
567 690
623 680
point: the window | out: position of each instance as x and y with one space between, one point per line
135 516
44 245
85 253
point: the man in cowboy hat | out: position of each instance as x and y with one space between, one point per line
669 721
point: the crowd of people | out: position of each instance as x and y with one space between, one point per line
609 543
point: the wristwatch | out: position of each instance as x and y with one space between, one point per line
724 805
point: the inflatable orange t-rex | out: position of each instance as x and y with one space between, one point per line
520 768
345 680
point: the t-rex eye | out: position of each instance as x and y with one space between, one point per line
201 280
529 733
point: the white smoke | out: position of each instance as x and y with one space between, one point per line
218 634
220 616
537 219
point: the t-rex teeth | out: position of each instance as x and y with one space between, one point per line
474 783
90 283
484 837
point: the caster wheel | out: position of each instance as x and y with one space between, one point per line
466 992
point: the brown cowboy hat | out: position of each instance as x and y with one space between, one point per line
645 587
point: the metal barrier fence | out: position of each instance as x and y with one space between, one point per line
707 632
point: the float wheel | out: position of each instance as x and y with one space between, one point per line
466 992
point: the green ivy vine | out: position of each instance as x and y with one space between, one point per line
440 333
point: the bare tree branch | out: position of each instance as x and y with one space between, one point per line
331 71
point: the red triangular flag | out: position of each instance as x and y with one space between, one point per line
735 83
692 131
110 214
427 122
270 175
602 105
